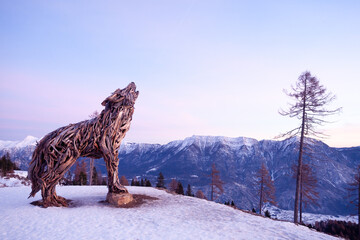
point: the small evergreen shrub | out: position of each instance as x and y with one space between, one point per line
267 214
6 165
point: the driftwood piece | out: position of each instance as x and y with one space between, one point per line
94 138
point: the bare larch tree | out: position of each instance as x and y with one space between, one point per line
354 194
95 114
265 185
310 101
216 184
173 185
200 194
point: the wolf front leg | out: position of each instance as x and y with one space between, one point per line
112 163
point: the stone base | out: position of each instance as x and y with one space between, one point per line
119 199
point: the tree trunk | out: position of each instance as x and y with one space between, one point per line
261 195
300 207
212 186
91 170
299 168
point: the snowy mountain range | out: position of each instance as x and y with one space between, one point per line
238 160
20 151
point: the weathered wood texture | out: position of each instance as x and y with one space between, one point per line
95 138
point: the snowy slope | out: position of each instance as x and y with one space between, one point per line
16 179
169 217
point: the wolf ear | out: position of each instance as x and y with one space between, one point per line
105 102
112 97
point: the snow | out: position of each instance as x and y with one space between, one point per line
21 173
308 218
7 144
128 147
204 141
168 217
17 179
28 141
152 170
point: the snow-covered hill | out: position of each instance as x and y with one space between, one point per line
168 217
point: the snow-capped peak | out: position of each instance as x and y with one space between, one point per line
203 141
213 139
28 141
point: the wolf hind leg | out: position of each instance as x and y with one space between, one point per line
48 192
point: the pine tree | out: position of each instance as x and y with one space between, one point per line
95 177
91 171
189 191
80 174
147 183
160 181
267 214
266 189
180 189
310 100
6 165
142 182
77 174
216 184
354 195
83 178
68 178
124 181
135 182
103 181
200 194
83 174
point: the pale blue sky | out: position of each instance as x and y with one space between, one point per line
202 67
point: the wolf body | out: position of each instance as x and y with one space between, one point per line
95 138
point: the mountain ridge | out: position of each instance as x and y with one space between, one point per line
238 160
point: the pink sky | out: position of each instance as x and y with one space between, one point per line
202 68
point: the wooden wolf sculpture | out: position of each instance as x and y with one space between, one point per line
95 138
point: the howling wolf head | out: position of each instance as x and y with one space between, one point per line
123 97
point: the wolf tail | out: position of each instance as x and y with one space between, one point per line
36 169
